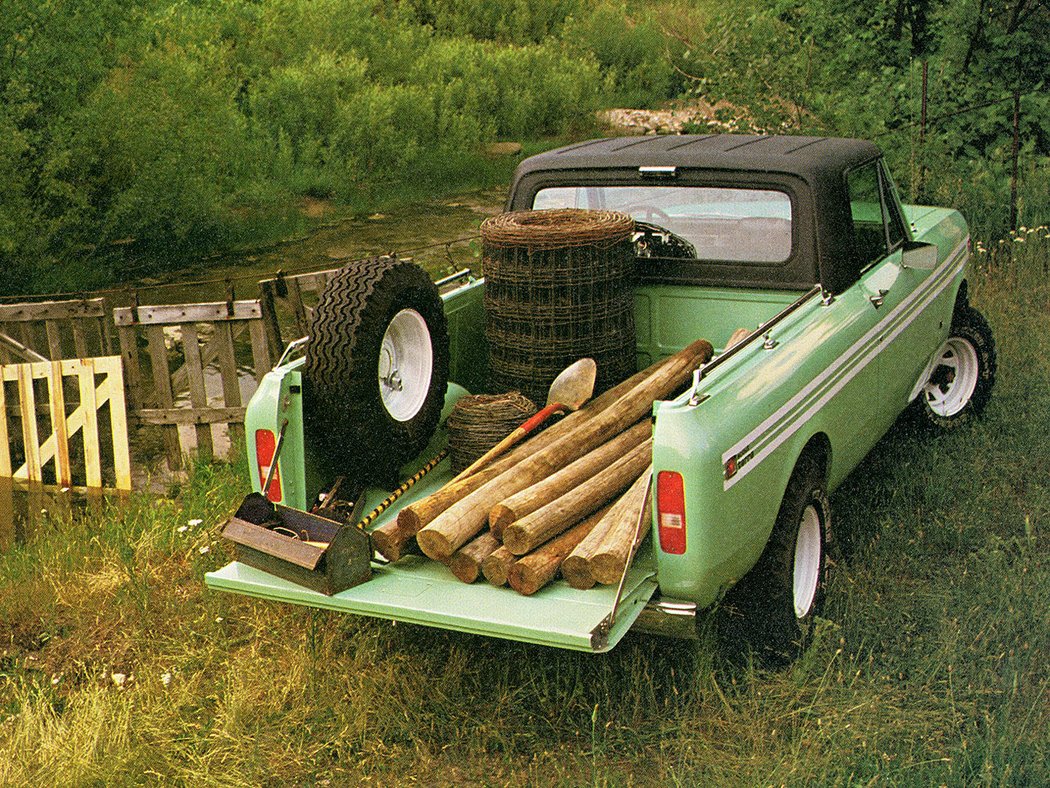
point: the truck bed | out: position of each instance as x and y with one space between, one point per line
420 591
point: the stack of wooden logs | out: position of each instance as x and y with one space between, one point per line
573 497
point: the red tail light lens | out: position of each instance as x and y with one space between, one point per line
670 509
265 445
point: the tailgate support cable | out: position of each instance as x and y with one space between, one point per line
601 632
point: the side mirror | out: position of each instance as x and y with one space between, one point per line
920 256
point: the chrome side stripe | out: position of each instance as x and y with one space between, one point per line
789 418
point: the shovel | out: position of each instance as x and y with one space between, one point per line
573 387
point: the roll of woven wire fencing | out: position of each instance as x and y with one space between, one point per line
557 289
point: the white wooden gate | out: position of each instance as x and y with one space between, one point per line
18 401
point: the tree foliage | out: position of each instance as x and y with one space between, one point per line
183 127
855 69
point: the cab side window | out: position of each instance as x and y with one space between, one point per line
878 228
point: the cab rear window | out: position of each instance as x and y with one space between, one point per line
719 224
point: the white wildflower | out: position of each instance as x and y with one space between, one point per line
219 619
204 549
182 529
165 678
196 521
119 678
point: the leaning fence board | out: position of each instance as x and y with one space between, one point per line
231 386
175 314
188 416
27 410
89 407
63 426
260 350
52 310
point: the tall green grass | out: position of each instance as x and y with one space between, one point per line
929 669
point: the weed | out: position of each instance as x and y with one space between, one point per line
930 667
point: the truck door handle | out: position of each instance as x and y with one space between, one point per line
876 300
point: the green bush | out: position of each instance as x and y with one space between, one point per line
508 21
633 54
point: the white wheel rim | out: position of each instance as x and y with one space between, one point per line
953 379
807 561
406 361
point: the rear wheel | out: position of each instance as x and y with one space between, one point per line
376 369
962 374
772 610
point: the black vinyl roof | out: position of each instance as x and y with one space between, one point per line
807 157
824 249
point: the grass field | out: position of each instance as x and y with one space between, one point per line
931 667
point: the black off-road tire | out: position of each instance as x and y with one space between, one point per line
759 615
961 381
345 414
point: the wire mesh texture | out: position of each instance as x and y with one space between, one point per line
557 289
479 421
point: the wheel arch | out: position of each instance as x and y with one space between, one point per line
817 447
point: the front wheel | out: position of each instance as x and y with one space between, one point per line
772 610
962 373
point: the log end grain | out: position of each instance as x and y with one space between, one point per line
464 568
524 579
408 521
389 541
496 567
435 544
577 572
607 567
466 563
517 539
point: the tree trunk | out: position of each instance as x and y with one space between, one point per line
466 563
577 569
451 529
629 521
567 479
550 520
416 515
532 572
496 567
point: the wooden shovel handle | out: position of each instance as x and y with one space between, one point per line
530 425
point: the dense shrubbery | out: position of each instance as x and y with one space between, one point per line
195 127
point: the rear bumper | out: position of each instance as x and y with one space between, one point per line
668 618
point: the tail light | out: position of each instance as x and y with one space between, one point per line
670 510
265 446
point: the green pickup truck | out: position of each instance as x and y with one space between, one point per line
856 310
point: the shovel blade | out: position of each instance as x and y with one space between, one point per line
574 384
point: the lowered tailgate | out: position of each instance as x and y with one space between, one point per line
419 591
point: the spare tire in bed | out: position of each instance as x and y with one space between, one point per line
376 369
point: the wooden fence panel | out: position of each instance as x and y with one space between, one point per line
55 329
181 401
63 425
